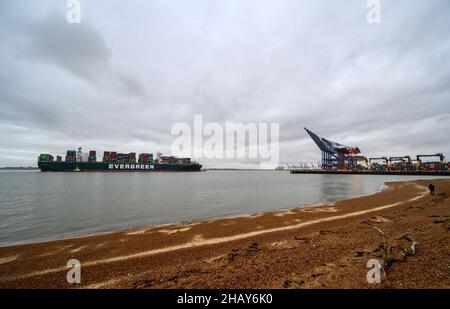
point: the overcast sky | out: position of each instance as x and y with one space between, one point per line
131 69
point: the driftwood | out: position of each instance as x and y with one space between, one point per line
396 252
412 248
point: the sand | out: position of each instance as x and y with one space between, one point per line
316 247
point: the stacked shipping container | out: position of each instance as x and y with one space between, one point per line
71 156
45 157
115 157
92 156
174 160
146 158
112 156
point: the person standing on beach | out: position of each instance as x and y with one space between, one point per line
431 187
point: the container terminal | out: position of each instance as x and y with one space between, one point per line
112 161
342 159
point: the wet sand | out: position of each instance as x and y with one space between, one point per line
315 247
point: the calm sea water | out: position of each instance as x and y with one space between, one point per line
37 206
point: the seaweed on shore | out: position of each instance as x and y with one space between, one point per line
397 252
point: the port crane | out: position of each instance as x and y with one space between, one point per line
339 157
334 155
400 163
440 155
434 165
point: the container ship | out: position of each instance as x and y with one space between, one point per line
77 161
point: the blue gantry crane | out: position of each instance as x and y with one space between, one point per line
335 155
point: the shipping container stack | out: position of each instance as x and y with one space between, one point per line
146 158
434 166
169 160
175 160
132 157
120 158
143 158
184 160
92 156
106 156
45 157
71 156
113 155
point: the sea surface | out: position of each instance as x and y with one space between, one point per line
37 206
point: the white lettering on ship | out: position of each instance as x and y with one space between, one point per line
131 166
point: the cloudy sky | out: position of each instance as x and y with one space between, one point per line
122 77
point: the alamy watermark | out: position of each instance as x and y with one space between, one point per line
74 273
374 14
73 14
230 140
376 273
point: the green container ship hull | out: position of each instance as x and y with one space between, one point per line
117 167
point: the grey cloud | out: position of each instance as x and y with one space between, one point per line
78 48
131 85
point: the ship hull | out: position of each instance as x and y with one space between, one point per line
116 167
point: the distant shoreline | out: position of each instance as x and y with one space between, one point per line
19 168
